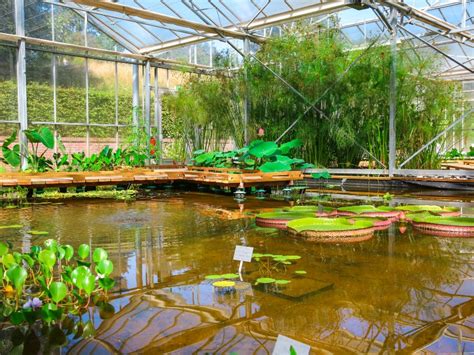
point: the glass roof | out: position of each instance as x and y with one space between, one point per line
261 17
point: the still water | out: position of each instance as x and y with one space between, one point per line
399 291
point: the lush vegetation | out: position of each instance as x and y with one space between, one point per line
350 120
258 155
40 157
46 290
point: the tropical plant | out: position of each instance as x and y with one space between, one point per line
52 284
258 155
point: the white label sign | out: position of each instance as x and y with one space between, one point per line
284 344
242 253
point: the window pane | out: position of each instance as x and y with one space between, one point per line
39 86
8 88
101 91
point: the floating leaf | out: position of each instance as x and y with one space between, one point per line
230 276
300 272
13 226
265 280
213 277
224 284
35 232
282 282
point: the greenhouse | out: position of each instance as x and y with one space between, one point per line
236 177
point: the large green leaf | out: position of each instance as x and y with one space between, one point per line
17 275
43 135
105 267
83 251
3 248
285 148
99 255
47 258
58 291
263 149
88 283
78 276
274 166
205 158
12 156
283 159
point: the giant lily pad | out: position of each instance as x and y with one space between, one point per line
327 224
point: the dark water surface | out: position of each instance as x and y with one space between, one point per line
397 291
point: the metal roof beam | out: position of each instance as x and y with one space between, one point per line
322 8
429 19
151 15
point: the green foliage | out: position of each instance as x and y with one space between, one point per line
258 155
349 124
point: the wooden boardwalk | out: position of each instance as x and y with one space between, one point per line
197 175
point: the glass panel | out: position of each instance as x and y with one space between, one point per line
39 66
101 91
7 16
71 92
8 88
68 26
38 19
98 39
125 93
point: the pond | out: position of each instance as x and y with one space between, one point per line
398 290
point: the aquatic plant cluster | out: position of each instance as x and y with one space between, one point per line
358 223
48 289
258 155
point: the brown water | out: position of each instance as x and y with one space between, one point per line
394 292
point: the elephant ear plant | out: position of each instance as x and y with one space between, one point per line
40 142
48 289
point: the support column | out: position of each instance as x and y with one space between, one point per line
158 117
246 109
21 80
136 93
147 103
88 129
392 140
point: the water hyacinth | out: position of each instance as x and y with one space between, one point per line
33 303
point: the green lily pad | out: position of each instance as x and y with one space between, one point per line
264 280
282 282
300 272
213 277
35 232
13 226
327 224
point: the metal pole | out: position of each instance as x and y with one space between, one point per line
136 93
116 88
54 78
246 109
88 131
158 116
147 107
21 81
460 119
392 139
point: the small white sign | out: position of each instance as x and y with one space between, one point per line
284 344
242 253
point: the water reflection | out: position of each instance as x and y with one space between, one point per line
398 291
